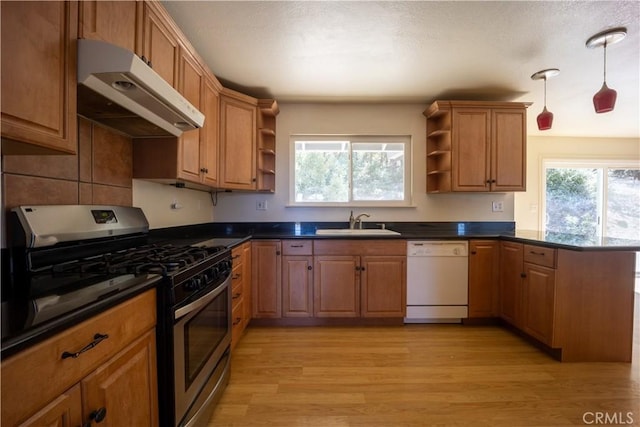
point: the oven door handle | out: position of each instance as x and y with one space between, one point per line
202 301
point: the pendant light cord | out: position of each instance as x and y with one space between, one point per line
605 61
545 91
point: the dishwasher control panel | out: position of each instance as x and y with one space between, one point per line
431 248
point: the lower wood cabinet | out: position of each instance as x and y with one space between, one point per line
115 380
266 275
528 292
336 286
297 278
329 278
511 265
383 282
240 291
484 278
360 278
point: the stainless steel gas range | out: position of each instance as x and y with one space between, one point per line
67 259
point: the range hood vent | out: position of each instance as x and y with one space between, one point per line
119 90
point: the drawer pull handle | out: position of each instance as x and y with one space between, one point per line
236 296
235 277
235 257
297 246
536 253
97 339
237 320
98 415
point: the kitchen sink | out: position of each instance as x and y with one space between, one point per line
356 232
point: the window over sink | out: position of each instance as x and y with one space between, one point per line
350 170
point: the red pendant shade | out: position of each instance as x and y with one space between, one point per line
605 99
545 119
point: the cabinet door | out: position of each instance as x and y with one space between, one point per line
125 386
470 149
39 77
266 292
297 286
210 132
539 302
511 259
484 268
116 22
384 286
190 86
336 286
508 150
64 411
237 144
160 44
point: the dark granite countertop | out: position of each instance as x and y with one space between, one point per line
16 335
407 230
573 241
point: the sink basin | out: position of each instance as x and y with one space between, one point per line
356 232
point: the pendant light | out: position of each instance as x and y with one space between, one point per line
545 118
605 99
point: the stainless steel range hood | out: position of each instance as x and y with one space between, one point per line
121 91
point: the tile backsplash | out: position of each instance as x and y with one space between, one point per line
100 172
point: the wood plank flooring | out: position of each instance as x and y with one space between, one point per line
418 375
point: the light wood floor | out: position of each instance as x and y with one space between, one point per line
417 375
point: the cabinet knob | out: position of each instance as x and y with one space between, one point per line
473 252
523 275
309 267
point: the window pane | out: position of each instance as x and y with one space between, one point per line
623 204
321 171
378 171
572 200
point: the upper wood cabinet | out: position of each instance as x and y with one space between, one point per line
190 85
116 22
210 132
160 42
237 141
476 146
39 77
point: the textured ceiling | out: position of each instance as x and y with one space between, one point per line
419 51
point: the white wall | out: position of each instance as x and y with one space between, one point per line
527 204
156 201
366 119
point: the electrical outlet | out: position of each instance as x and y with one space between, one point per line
497 207
261 205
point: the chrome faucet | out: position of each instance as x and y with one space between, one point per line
357 220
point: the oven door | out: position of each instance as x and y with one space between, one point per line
202 334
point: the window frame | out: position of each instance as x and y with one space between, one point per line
405 139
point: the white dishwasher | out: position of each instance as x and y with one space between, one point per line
437 281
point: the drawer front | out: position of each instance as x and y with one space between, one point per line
540 255
34 377
237 255
237 321
236 276
297 247
236 293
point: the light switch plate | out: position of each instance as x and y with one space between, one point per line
261 205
